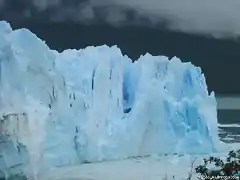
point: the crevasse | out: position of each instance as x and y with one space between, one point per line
95 104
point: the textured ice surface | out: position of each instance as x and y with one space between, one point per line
172 167
94 104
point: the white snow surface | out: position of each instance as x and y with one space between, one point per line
94 104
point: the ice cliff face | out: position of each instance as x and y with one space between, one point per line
94 104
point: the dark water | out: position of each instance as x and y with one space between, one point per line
230 117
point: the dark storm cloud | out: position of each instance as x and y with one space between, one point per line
217 17
214 17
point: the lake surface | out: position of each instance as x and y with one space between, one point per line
229 118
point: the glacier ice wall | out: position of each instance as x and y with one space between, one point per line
94 104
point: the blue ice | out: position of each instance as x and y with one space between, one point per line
95 104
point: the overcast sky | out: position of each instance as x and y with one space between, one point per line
212 17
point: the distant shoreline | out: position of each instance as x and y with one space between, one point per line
228 102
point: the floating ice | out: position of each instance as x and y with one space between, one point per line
94 104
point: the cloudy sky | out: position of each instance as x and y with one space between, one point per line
219 18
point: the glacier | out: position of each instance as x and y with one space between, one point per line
94 104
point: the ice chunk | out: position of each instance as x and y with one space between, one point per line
94 104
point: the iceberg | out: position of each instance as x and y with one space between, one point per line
95 104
